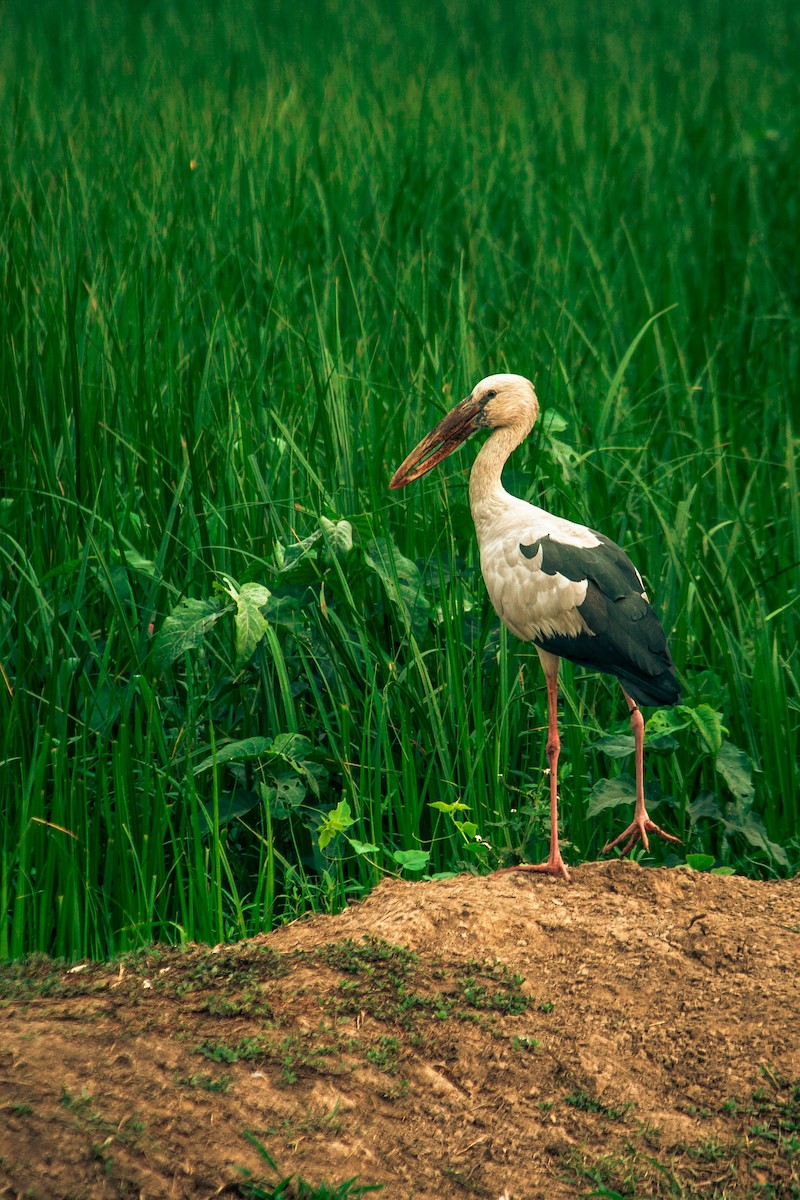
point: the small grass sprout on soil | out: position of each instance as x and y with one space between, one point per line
293 1187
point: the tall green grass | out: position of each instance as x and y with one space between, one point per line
246 260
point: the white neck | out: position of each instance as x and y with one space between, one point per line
487 496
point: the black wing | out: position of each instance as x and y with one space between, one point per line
627 638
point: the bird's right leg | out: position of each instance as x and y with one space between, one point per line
555 864
641 824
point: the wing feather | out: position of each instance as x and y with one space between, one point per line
581 601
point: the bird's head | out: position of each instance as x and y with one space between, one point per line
497 402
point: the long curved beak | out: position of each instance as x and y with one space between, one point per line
451 431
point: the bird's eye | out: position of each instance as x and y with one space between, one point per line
490 395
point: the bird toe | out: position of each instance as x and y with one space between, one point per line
637 831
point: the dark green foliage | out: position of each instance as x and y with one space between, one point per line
241 248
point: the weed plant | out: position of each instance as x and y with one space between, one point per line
248 255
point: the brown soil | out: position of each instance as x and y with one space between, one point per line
636 1033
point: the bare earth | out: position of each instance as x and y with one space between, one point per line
635 1033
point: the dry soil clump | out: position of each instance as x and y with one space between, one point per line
635 1033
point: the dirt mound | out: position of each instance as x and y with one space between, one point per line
635 1033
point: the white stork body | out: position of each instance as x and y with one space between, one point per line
560 585
532 603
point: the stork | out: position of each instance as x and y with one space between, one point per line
568 589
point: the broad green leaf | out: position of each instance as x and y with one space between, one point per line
290 791
403 583
288 794
456 806
255 593
751 827
708 723
252 747
564 456
228 586
315 775
250 624
666 721
184 629
250 629
609 793
664 743
706 805
294 749
615 745
553 422
479 849
700 862
299 561
412 860
338 535
289 558
292 746
736 769
230 806
286 611
363 847
469 829
132 560
334 822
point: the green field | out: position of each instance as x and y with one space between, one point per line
249 254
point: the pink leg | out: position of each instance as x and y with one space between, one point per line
555 864
641 824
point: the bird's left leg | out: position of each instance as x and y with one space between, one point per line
555 864
641 824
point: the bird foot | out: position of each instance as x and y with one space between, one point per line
554 866
637 831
